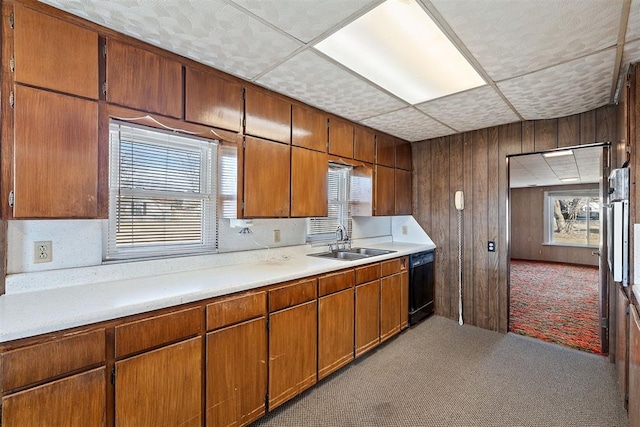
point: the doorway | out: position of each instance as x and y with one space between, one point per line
557 230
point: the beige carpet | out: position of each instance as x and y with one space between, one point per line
441 374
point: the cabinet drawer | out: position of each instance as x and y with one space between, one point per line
236 309
367 273
335 282
393 266
154 331
293 294
39 362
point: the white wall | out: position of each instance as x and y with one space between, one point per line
78 249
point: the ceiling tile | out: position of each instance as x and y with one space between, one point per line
304 20
310 78
633 25
631 52
409 124
473 109
574 87
510 38
209 31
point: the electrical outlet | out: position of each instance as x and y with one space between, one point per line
42 251
276 236
491 246
404 230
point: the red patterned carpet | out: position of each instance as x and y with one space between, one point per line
557 303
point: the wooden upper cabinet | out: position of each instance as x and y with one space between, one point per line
364 145
309 128
308 183
403 155
54 54
385 194
402 192
340 138
267 116
143 80
361 190
267 171
55 155
212 101
385 150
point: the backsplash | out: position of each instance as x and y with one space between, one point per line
78 247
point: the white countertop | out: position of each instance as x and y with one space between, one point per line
32 313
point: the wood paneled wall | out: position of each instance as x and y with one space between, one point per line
527 228
475 162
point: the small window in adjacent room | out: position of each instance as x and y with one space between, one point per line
572 218
339 209
162 193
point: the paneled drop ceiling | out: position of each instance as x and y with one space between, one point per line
540 59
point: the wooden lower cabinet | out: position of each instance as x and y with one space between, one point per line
335 331
236 374
390 300
292 351
404 300
634 367
79 400
622 342
161 387
367 316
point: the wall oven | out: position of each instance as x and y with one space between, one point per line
421 286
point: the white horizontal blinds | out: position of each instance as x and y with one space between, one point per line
161 195
338 189
228 181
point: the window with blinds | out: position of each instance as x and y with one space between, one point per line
162 193
339 208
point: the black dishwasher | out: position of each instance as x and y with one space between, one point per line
420 286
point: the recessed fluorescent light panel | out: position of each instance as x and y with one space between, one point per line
558 153
569 179
398 47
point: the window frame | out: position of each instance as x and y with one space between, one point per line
550 196
343 205
207 194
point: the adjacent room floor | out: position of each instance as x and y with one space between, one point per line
555 302
441 374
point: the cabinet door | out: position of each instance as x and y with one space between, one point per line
213 101
266 178
309 129
364 145
367 316
402 192
143 80
622 341
308 183
390 300
335 331
403 155
634 367
292 352
56 155
404 300
361 190
385 150
340 138
55 54
237 373
76 401
267 116
385 194
161 387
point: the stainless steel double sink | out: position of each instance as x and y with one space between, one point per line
352 254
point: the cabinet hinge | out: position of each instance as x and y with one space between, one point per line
266 400
627 311
104 50
626 398
12 99
113 376
12 64
104 88
12 20
605 322
244 143
11 198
